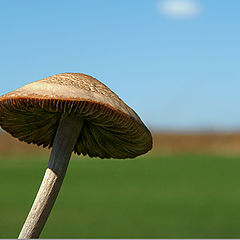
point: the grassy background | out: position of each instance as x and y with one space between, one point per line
151 196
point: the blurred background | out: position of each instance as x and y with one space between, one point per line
176 63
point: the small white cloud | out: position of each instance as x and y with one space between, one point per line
179 8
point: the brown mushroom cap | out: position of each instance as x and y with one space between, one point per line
111 129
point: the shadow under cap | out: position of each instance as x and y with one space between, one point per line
111 129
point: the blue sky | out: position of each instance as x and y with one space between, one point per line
177 70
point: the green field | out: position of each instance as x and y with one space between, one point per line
149 197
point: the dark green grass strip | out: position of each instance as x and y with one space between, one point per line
149 197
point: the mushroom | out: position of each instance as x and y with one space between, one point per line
70 112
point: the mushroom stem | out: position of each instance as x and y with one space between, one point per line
64 142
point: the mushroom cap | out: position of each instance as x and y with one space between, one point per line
111 129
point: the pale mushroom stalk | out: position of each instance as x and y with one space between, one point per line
66 137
